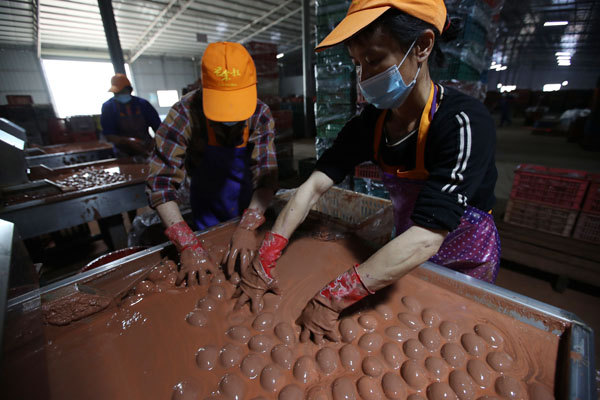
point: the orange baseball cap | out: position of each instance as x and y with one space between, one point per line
228 82
362 12
118 83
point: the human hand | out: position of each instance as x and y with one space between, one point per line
243 242
320 315
254 284
260 276
195 260
195 263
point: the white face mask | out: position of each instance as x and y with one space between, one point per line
387 89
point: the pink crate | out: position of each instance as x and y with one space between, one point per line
591 204
556 187
588 228
368 170
540 217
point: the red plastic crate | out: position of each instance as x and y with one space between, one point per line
556 187
588 228
540 217
368 170
591 204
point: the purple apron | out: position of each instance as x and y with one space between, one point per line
221 186
473 248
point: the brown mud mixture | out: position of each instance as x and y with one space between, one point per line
412 340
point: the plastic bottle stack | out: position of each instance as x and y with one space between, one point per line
335 77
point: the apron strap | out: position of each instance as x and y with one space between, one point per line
420 172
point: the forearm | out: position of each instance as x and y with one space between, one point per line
296 210
400 256
261 199
169 213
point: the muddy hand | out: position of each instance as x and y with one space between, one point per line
195 263
320 315
318 320
243 243
253 286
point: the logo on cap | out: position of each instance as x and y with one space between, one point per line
226 75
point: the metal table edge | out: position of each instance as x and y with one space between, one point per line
35 294
581 368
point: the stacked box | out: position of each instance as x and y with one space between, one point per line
588 223
267 71
468 57
546 199
335 77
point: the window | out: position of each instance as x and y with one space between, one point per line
79 87
166 98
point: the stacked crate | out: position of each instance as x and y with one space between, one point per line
267 71
468 57
267 86
588 223
546 199
367 180
335 77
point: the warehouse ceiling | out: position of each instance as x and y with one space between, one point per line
524 39
180 27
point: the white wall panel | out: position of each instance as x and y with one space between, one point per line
21 74
161 73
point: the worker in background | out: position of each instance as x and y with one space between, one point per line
221 136
126 118
434 145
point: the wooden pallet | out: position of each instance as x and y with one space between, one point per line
566 257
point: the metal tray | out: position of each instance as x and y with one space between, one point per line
575 381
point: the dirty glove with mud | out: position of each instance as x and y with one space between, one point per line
260 276
195 260
320 315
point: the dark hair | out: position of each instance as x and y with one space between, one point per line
406 29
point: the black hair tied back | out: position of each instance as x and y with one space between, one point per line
406 28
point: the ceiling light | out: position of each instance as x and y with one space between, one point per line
551 87
565 83
279 55
556 23
502 68
499 86
563 58
562 53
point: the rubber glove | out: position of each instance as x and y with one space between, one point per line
195 261
260 276
243 243
320 315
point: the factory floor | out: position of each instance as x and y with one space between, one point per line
515 145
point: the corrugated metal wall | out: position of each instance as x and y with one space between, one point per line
161 73
21 74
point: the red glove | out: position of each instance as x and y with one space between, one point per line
321 313
260 277
194 259
243 242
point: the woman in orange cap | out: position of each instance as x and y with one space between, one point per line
434 145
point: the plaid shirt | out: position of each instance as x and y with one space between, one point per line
167 171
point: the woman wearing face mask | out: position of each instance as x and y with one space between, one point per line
434 145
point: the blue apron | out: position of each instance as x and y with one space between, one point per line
473 248
221 186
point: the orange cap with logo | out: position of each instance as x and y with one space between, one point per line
362 12
118 83
228 82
